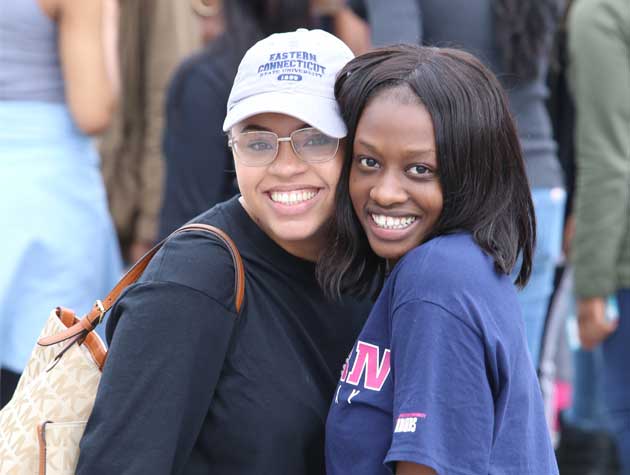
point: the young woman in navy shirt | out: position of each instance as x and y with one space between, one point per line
433 197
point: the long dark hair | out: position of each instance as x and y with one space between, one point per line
247 21
482 174
524 31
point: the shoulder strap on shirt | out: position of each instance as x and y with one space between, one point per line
90 321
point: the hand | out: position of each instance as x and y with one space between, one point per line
593 327
137 249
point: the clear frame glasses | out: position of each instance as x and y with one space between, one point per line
260 148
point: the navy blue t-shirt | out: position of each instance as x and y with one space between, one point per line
440 374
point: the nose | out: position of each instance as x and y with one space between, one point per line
287 163
388 191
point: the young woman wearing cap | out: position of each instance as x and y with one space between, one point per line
439 380
192 387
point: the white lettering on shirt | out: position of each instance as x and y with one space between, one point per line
352 395
407 424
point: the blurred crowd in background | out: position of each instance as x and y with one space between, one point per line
132 94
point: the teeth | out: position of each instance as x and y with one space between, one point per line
389 222
292 197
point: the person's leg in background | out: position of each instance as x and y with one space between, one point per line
555 368
587 411
587 445
616 351
534 298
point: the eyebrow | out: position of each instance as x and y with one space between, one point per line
260 128
408 153
372 148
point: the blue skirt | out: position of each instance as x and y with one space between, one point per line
58 244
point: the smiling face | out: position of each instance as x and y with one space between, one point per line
289 199
394 185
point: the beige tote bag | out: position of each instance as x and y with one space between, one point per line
42 425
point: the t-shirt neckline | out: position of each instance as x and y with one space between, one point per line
272 251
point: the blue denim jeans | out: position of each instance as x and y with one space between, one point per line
534 298
588 411
616 381
602 385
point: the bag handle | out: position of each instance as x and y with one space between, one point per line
94 317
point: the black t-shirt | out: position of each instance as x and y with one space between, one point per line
190 387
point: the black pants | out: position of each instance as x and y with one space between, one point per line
8 383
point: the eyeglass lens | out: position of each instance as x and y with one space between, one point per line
261 147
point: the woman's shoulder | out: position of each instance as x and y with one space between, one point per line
447 266
197 259
454 274
452 252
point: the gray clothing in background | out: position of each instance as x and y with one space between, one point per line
599 74
393 21
469 25
29 63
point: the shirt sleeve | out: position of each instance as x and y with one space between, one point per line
163 364
600 73
443 406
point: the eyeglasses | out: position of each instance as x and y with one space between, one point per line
260 148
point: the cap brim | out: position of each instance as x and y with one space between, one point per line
319 112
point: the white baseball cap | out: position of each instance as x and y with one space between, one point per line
294 74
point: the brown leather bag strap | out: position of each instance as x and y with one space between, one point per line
138 268
93 318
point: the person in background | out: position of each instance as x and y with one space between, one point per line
155 35
390 22
440 380
599 75
191 385
58 86
585 444
199 171
347 20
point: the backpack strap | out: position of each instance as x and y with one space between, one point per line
94 317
